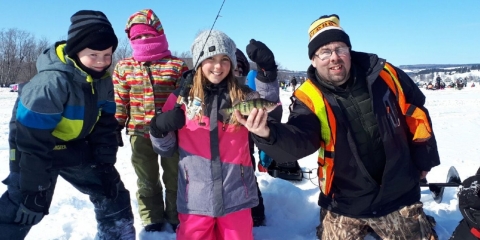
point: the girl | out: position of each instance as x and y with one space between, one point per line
216 181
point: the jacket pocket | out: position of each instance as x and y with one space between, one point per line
391 110
70 154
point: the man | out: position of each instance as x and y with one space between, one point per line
63 124
293 82
438 81
142 84
372 152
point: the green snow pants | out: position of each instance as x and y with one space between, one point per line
151 206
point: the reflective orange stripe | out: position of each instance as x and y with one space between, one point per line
416 118
311 96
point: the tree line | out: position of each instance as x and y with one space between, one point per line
449 71
20 49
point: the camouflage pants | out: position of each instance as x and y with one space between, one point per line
409 223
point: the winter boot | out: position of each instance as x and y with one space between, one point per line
154 227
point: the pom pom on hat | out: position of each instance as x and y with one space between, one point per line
217 43
324 30
90 29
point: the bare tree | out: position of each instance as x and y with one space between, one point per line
123 51
15 45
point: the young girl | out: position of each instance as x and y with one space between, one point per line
216 181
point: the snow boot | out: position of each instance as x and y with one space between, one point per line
154 227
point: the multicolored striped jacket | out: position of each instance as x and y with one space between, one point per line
215 172
142 88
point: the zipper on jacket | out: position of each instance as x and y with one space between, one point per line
392 114
242 173
187 183
90 118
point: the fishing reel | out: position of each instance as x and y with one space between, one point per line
193 108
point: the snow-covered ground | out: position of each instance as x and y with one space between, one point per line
291 208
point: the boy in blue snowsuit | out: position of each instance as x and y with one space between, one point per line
63 125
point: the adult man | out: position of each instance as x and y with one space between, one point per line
63 125
373 152
293 82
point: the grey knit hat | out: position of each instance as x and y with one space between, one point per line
217 43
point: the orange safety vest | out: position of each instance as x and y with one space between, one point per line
313 98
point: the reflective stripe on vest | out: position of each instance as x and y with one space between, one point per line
313 98
415 117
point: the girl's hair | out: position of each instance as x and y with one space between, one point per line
235 90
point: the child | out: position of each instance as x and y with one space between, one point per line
64 126
216 181
142 85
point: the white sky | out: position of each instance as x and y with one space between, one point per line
291 208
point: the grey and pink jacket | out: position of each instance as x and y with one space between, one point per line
215 175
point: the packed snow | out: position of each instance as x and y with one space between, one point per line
291 208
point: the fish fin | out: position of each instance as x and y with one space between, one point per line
252 95
226 112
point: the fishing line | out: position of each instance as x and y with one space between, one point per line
205 43
188 79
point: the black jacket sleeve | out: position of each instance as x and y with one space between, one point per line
424 155
291 141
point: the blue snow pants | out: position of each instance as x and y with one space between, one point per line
114 216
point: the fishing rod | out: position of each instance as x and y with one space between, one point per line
188 76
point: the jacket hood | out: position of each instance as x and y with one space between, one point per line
54 58
145 16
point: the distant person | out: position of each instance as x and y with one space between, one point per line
438 80
293 83
371 155
64 125
142 85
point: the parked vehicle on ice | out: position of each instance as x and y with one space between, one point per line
13 87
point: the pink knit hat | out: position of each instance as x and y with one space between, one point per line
139 29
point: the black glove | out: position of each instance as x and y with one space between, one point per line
164 122
118 135
33 208
109 177
469 201
259 53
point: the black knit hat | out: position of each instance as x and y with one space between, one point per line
90 29
324 30
242 62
